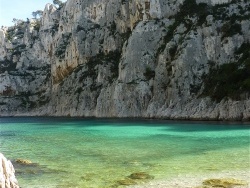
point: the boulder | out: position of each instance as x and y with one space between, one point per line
23 161
140 175
7 174
226 183
126 182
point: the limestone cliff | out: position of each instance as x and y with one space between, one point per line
181 59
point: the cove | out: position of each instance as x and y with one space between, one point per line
98 153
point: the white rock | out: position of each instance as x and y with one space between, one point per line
7 174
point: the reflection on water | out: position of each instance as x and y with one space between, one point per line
100 153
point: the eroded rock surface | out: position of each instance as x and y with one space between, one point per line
7 174
141 58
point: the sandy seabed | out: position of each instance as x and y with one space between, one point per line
192 181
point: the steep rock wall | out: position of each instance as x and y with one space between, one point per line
110 58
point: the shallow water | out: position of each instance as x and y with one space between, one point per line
96 153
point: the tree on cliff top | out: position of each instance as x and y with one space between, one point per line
58 2
37 13
17 21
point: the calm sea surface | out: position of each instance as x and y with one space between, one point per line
96 153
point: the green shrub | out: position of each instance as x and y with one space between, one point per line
10 34
229 80
229 29
7 65
188 9
149 73
112 59
62 45
37 25
172 51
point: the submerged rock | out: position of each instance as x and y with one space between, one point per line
135 178
23 161
126 182
226 183
7 174
88 177
140 175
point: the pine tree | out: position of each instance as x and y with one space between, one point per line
58 2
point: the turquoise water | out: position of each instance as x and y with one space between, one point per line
96 153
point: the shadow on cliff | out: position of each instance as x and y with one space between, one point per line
168 125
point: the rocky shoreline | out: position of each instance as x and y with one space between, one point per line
225 179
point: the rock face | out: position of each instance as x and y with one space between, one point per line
7 174
141 58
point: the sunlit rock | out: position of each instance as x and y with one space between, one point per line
140 58
7 174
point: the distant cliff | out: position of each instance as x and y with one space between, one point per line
181 59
